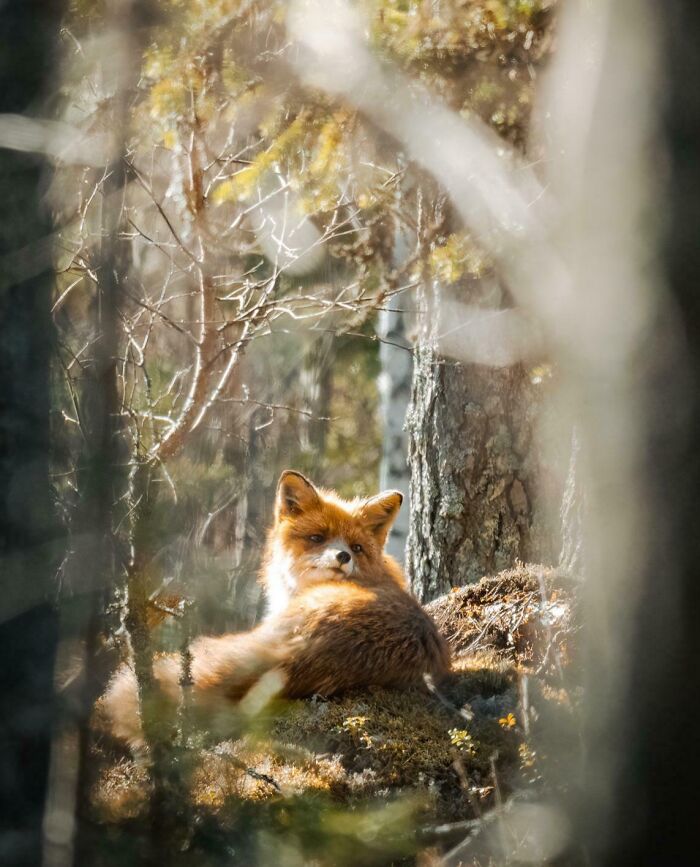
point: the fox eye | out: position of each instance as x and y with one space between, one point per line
356 548
316 538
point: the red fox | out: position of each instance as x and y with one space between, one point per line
339 614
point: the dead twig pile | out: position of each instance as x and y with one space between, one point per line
528 616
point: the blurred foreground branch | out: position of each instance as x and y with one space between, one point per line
30 544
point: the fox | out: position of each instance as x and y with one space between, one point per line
339 616
317 536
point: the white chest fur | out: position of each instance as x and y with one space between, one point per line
280 581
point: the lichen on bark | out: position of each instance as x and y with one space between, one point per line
474 467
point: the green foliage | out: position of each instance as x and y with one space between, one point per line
456 257
478 56
242 185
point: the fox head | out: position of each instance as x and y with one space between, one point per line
318 536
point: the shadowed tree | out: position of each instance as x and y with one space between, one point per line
652 815
28 534
475 468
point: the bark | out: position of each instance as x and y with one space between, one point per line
572 514
474 468
397 367
97 576
396 360
93 569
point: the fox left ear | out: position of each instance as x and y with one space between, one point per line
295 494
378 513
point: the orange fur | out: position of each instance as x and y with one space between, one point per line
332 627
303 511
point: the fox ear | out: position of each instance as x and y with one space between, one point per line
378 513
295 494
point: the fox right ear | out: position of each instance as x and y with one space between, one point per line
295 494
379 513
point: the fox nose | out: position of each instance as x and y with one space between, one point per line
342 557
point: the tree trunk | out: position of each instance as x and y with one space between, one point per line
28 534
474 470
653 814
572 514
395 389
396 360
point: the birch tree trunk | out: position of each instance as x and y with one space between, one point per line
395 389
396 360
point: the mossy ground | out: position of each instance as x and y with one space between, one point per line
429 758
366 744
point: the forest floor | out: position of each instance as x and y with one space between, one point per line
419 770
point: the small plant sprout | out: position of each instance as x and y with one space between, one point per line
461 739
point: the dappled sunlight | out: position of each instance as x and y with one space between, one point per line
414 251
